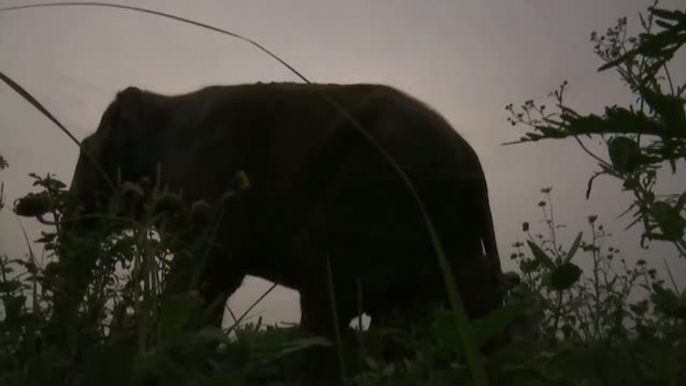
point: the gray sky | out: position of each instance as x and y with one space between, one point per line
468 59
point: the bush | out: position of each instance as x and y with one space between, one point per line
641 139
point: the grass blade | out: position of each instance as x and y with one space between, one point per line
573 248
34 102
336 327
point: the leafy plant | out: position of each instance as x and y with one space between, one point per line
641 139
128 307
610 317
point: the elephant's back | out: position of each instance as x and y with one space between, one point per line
309 164
292 120
278 130
345 195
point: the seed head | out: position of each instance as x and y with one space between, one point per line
33 204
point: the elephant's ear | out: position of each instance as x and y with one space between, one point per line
120 125
111 146
130 109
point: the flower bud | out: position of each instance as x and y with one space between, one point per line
242 181
132 194
33 205
200 213
168 202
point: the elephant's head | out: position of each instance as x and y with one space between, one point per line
106 159
107 156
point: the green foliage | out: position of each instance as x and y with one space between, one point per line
128 310
603 326
589 326
613 325
640 139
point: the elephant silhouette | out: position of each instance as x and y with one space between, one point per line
320 191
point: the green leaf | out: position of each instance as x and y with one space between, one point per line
664 24
625 154
679 206
9 286
541 256
208 335
564 276
228 373
669 220
303 344
496 322
551 132
574 248
668 302
666 14
669 107
176 311
584 125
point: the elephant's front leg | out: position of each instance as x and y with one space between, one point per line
215 276
220 279
317 315
318 318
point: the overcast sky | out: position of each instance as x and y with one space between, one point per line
466 58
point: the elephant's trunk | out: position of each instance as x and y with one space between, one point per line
78 252
76 260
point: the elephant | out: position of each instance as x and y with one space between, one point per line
321 192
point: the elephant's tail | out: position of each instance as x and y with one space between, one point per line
490 245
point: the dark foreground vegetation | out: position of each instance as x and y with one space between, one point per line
615 324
